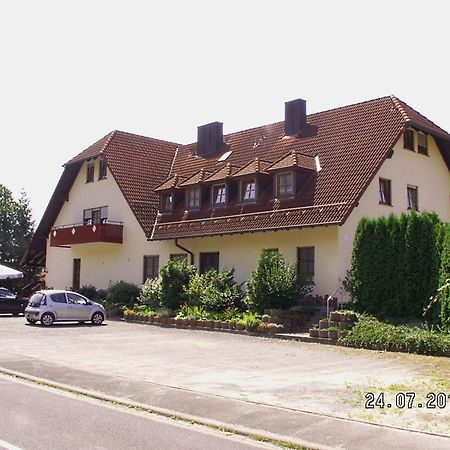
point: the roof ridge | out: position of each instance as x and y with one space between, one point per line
308 115
399 103
147 137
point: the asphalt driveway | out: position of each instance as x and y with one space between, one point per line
300 376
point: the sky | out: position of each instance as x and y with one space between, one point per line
71 72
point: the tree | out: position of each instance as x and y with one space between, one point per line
16 226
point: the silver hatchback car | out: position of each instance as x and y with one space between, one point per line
49 306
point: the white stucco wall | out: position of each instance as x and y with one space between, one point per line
428 173
101 263
241 251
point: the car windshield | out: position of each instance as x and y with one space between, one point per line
5 293
35 300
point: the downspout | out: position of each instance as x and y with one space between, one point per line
185 249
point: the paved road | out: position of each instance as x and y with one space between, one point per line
39 418
300 376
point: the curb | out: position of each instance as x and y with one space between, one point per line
252 433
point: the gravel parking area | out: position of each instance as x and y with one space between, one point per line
302 376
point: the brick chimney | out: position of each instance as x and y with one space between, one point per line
295 117
209 138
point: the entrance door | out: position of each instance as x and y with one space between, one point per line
76 274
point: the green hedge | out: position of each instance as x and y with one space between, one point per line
371 334
395 265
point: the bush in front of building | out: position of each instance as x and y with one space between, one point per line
372 334
214 291
151 293
122 294
175 276
272 284
395 265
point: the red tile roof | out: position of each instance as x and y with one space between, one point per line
139 164
293 159
252 168
198 177
222 174
351 142
172 183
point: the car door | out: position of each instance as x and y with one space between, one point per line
58 305
79 307
4 304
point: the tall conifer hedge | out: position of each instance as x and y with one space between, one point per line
397 264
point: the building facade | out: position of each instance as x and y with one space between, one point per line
128 204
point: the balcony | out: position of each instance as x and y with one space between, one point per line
80 233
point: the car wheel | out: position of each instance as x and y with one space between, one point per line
31 321
47 319
97 318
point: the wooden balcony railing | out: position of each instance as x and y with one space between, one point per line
80 233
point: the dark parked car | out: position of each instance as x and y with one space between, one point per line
10 303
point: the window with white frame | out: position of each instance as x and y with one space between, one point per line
384 191
412 197
193 197
248 190
285 184
219 196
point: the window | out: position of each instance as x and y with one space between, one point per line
58 298
385 192
76 274
151 267
193 198
411 192
423 144
178 257
285 186
219 194
305 263
209 261
95 215
408 139
102 169
75 299
166 202
248 191
90 172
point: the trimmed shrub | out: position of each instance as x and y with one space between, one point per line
272 284
395 265
371 334
122 293
175 277
151 293
88 291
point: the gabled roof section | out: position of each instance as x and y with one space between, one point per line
252 168
197 178
137 163
172 183
93 151
222 174
292 160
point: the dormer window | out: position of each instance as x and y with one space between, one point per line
248 190
90 172
102 169
408 140
193 197
219 196
166 202
284 185
422 144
